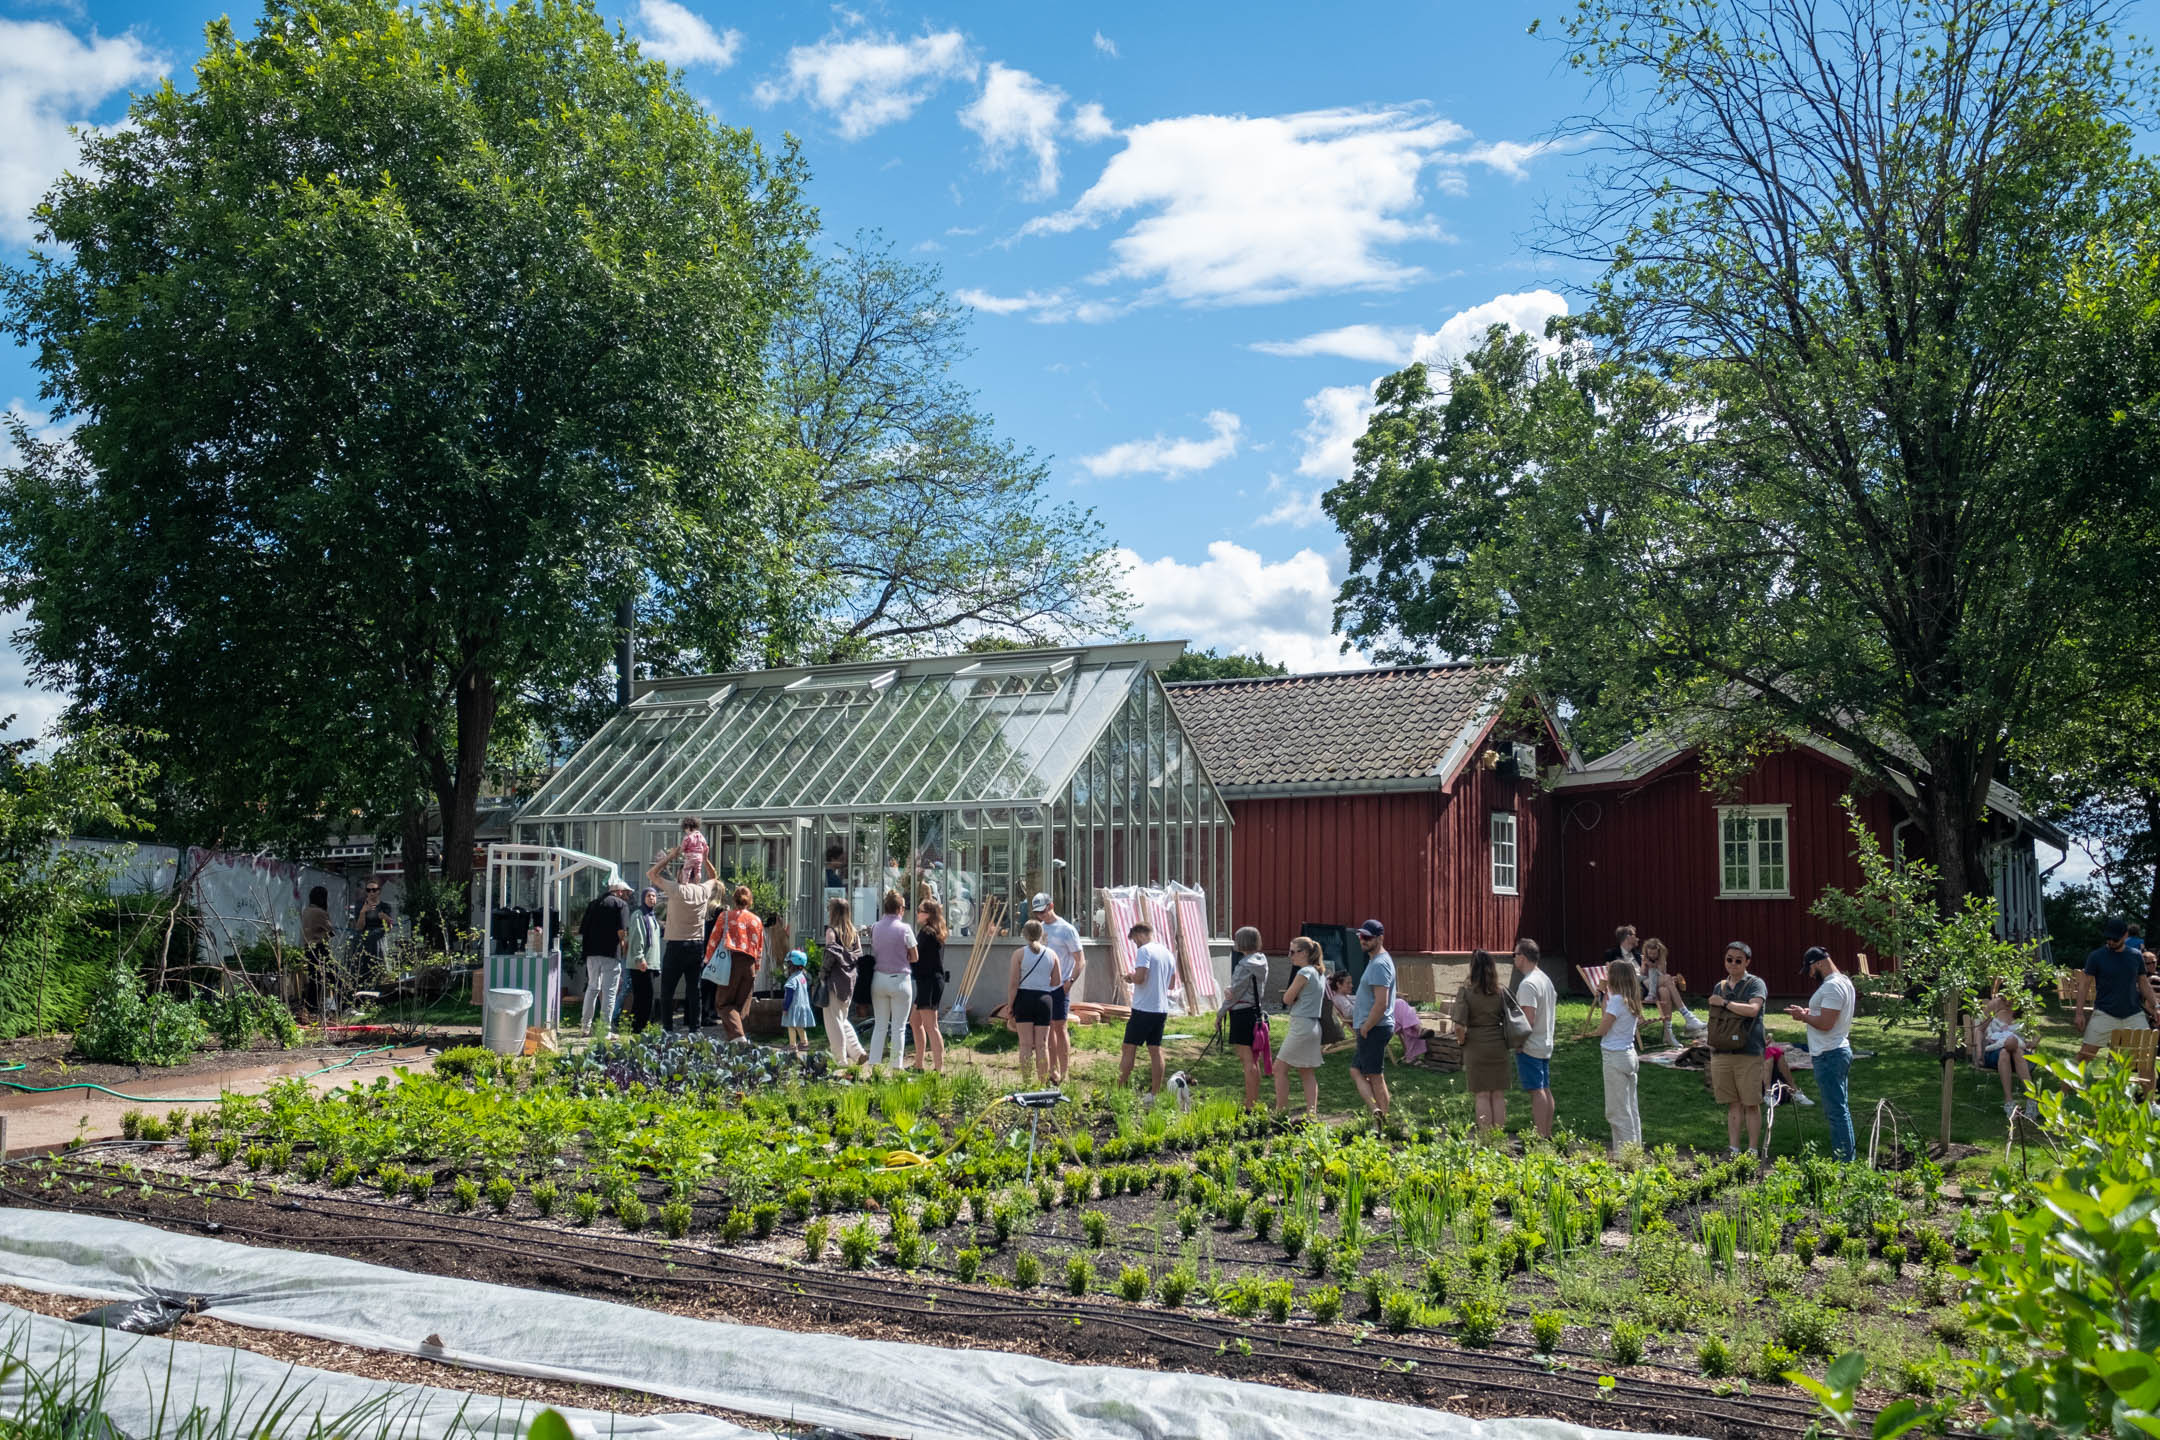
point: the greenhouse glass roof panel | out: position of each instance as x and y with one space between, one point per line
1005 728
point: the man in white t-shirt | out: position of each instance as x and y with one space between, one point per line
1153 976
1064 942
1533 1063
1828 1017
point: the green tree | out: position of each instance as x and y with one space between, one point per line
405 344
1208 665
1849 431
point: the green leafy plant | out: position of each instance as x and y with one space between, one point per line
816 1234
967 1264
1175 1284
633 1212
1714 1358
1480 1317
765 1218
735 1225
1027 1270
857 1244
1079 1275
464 1194
500 1192
1277 1296
1546 1329
127 1026
1627 1342
585 1207
1804 1246
1262 1217
1096 1226
1805 1328
545 1197
675 1219
1837 1394
467 1062
1293 1238
1188 1221
1325 1302
1132 1283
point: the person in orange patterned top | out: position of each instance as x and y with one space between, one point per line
742 936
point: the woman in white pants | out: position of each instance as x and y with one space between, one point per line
1616 1041
892 988
839 951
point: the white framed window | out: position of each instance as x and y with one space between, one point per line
1503 852
1751 852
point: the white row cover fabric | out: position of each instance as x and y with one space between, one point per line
875 1387
147 1386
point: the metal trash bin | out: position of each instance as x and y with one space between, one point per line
502 1023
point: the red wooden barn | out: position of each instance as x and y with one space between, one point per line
1416 795
1395 793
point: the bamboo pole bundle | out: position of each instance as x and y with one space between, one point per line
986 929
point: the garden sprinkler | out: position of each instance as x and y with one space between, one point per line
1035 1102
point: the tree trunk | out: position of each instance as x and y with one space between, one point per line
1953 811
412 849
2152 842
1949 1062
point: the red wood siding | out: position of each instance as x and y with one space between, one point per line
1336 860
1469 915
1649 856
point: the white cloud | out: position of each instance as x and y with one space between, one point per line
1234 600
1398 345
51 78
1106 45
1510 157
1045 307
869 81
1166 456
1090 124
1298 509
1017 112
682 38
1336 417
1234 208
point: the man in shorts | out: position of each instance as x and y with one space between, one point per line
1736 1076
1371 1015
1153 974
1064 942
2113 992
1533 1063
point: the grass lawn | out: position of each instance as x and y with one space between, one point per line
1677 1108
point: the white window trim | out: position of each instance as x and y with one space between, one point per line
1781 813
1492 852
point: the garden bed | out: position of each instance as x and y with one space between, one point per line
1668 1291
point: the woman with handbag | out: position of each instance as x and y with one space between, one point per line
839 949
1480 1015
1242 1003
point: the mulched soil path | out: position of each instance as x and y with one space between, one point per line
691 1280
403 1369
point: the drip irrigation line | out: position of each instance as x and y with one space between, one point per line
836 1292
175 1099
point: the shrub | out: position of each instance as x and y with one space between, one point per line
464 1194
735 1225
1262 1216
585 1207
1918 1377
131 1124
1378 1286
632 1212
1805 1244
1003 1221
198 1141
257 1156
857 1244
126 1026
500 1192
1046 1193
1233 1208
1278 1296
765 1218
1096 1226
1172 1180
1027 1270
1893 1255
1188 1221
389 1179
1546 1330
1805 1327
1132 1283
1771 1362
228 1149
545 1197
1079 1275
344 1175
1293 1237
1398 1310
1935 1248
314 1164
1853 1252
239 1015
815 1235
1481 1317
1174 1286
1714 1358
966 1265
1627 1342
1078 1184
1325 1304
675 1219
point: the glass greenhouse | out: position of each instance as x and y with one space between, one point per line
960 778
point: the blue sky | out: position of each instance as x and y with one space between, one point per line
1193 235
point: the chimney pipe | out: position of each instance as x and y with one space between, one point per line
625 651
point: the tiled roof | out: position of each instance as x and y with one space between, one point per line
1361 729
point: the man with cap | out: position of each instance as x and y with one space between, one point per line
1063 940
1152 977
1371 1016
1828 1017
2113 990
602 933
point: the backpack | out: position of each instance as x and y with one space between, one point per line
1728 1032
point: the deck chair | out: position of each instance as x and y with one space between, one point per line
2066 986
1593 979
2139 1047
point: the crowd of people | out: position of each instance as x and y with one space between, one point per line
690 944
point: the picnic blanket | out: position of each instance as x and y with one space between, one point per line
1678 1056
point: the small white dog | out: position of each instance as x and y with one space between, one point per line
1181 1086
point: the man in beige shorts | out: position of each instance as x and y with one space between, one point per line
1736 1076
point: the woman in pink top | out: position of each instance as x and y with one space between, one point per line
892 988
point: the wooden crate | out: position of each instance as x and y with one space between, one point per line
1414 981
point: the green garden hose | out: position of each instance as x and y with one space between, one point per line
170 1099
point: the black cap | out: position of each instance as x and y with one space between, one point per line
2114 928
1372 929
1815 956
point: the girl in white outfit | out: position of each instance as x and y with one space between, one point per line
1616 1041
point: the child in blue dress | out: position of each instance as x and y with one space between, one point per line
796 1013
